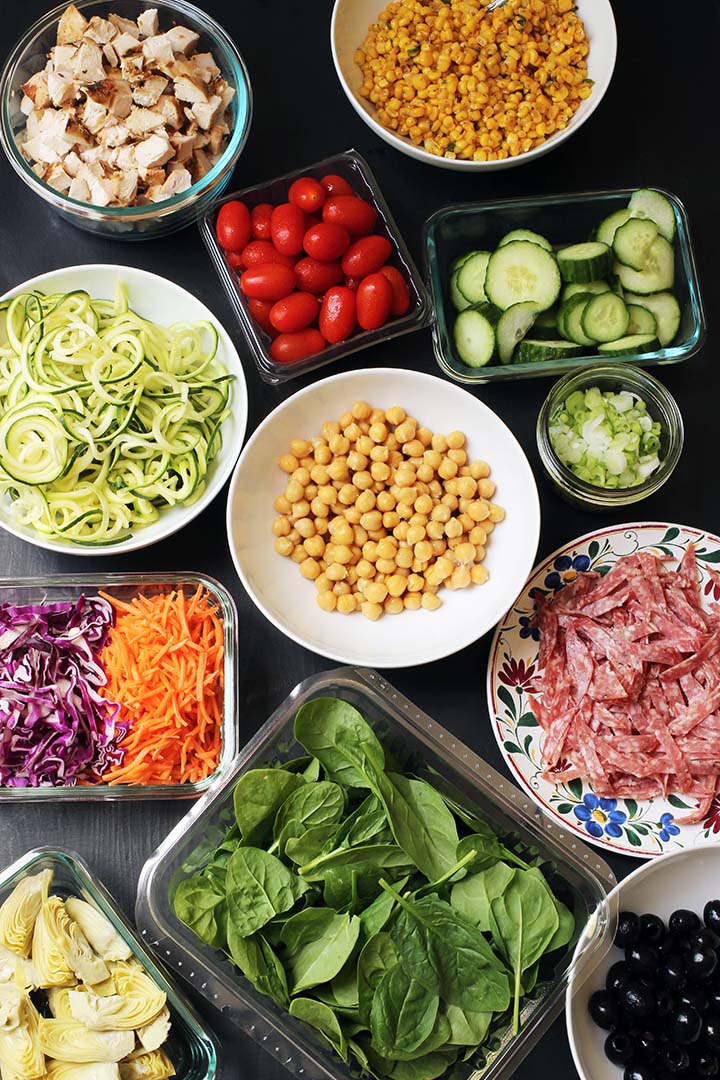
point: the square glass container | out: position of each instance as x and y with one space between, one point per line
125 587
191 1048
563 219
579 876
353 168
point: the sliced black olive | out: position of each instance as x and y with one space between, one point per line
705 939
711 915
643 961
711 1034
692 998
637 1001
646 1044
672 972
706 1064
618 977
628 929
674 1060
664 1004
603 1009
683 923
700 964
619 1048
713 999
685 1026
641 1071
652 929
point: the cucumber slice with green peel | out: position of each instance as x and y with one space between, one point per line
632 242
583 287
585 262
659 272
546 325
570 319
607 228
474 336
647 203
642 320
534 350
666 310
521 271
471 276
459 302
512 327
630 345
457 263
605 317
526 234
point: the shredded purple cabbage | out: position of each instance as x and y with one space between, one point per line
56 728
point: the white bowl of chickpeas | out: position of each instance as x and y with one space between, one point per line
383 518
453 85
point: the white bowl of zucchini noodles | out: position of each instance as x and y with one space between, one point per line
123 408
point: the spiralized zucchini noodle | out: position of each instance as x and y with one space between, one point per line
105 417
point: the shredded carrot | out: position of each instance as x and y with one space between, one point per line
164 665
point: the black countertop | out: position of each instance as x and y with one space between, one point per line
656 126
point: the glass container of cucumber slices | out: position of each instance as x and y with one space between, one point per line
639 402
533 287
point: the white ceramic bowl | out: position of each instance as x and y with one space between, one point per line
681 879
413 637
348 30
163 302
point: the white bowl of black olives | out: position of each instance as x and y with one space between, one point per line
650 1010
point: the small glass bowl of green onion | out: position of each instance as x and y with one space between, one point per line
609 436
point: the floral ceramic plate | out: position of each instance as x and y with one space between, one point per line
643 828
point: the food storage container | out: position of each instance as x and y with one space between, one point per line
353 168
420 745
127 222
563 219
661 406
125 587
190 1046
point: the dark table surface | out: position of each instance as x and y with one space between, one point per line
656 126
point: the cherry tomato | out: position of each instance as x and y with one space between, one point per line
307 193
327 242
260 312
232 227
366 255
294 312
374 301
401 293
259 252
234 259
355 215
289 347
336 185
287 227
337 314
260 221
271 281
352 283
317 277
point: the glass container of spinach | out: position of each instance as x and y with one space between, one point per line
363 894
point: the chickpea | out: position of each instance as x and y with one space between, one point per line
319 475
371 520
310 569
348 494
327 600
435 530
453 528
451 487
300 448
477 536
346 604
385 501
458 456
299 554
413 449
288 463
363 480
415 534
440 546
479 510
459 579
282 505
404 558
378 432
395 415
323 583
431 602
466 487
488 526
386 566
391 519
369 551
280 526
479 575
375 592
300 509
479 470
359 535
412 601
336 572
327 494
405 431
466 521
345 419
496 512
371 611
365 569
456 440
315 546
486 489
284 545
352 431
365 502
396 585
364 445
322 525
341 531
447 469
415 583
361 410
342 588
322 455
330 428
306 527
393 605
380 471
294 536
423 551
377 416
380 454
357 462
338 470
439 443
339 445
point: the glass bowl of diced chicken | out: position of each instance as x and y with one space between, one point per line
127 117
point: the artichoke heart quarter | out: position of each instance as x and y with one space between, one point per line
94 1070
153 1066
60 950
66 1040
21 1053
99 931
119 1012
17 970
20 910
153 1035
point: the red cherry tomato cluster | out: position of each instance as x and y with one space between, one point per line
313 270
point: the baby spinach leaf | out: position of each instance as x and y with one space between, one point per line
566 919
467 1028
345 986
259 887
335 733
258 796
321 1017
378 956
473 896
488 851
421 823
376 916
428 1067
309 845
320 803
437 1038
364 858
403 1013
259 962
318 942
197 904
363 824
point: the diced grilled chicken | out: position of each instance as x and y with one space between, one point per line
101 31
94 116
63 60
205 66
125 184
110 55
72 163
148 23
36 88
141 121
125 26
115 134
188 89
148 92
201 165
155 150
217 136
79 190
170 107
178 180
184 146
72 25
182 40
101 189
206 112
57 177
61 89
157 50
88 63
227 93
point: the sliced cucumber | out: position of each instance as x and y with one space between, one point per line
647 203
630 345
457 263
512 328
642 320
533 350
457 299
570 319
584 287
605 317
585 262
546 325
526 234
666 310
632 242
607 228
521 271
659 272
474 335
471 276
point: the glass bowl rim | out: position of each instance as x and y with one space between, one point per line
232 151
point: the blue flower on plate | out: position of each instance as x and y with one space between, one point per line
527 628
600 816
566 569
667 827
